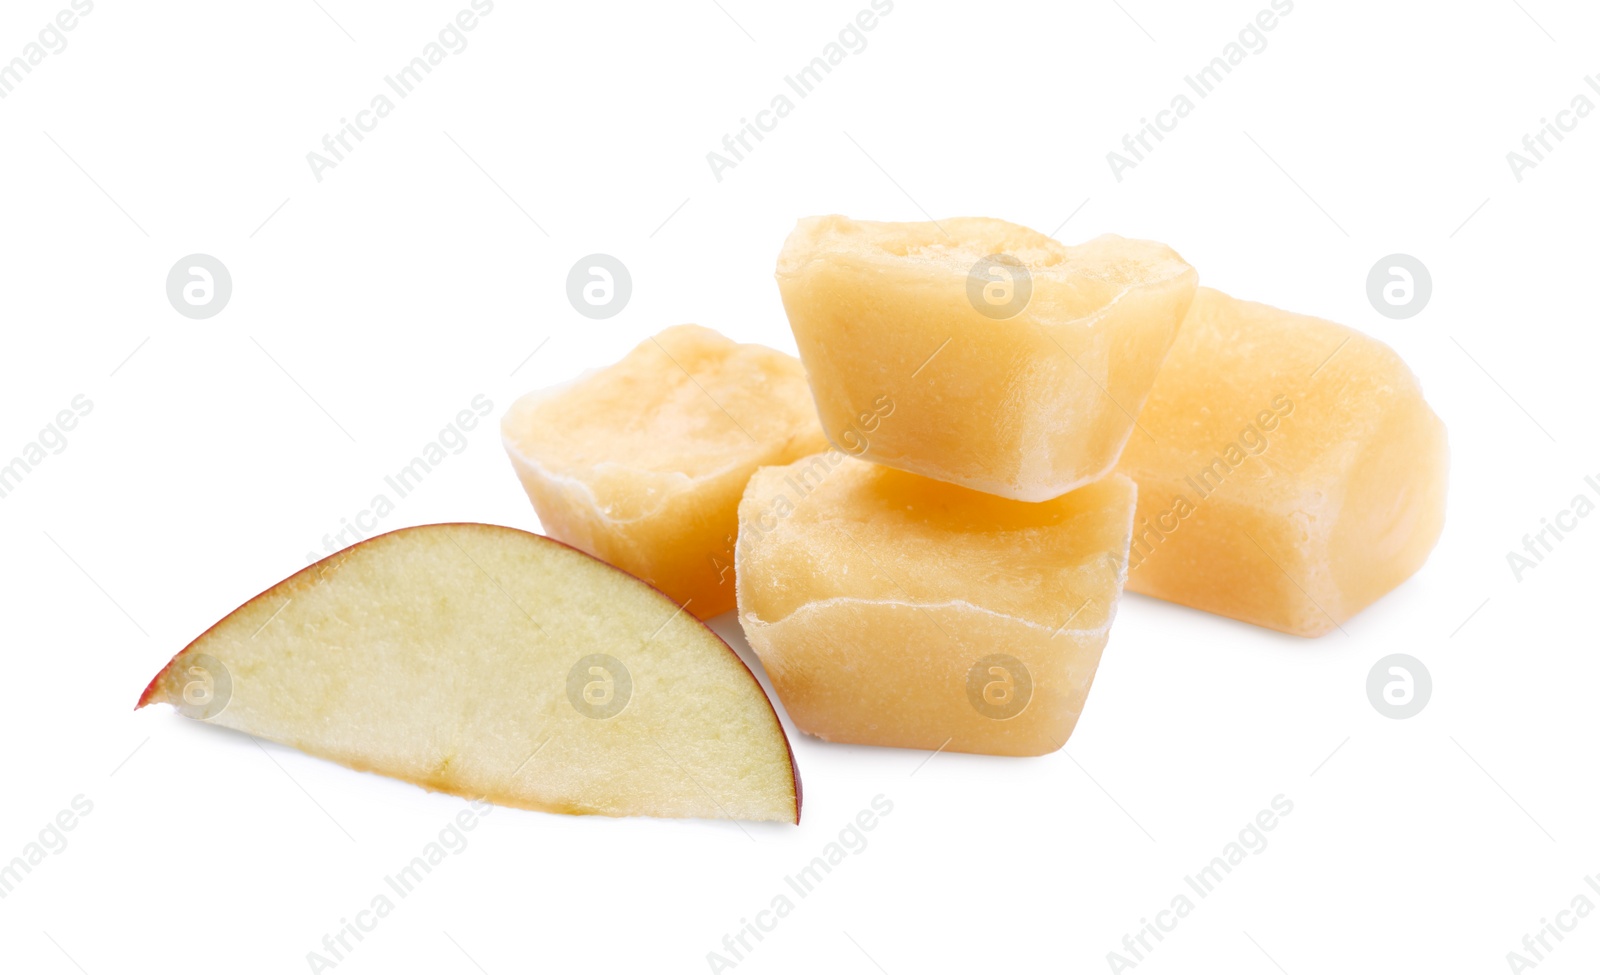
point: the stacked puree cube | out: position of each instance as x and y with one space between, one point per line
1017 363
892 609
927 529
958 596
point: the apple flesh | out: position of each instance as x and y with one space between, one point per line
488 662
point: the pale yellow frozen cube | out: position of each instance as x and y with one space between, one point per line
1014 364
643 462
891 609
1292 474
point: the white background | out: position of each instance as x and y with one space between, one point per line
372 306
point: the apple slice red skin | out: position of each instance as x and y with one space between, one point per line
794 767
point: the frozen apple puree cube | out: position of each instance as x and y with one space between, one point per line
891 609
1293 473
1016 364
642 463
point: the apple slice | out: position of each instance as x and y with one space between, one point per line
489 662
